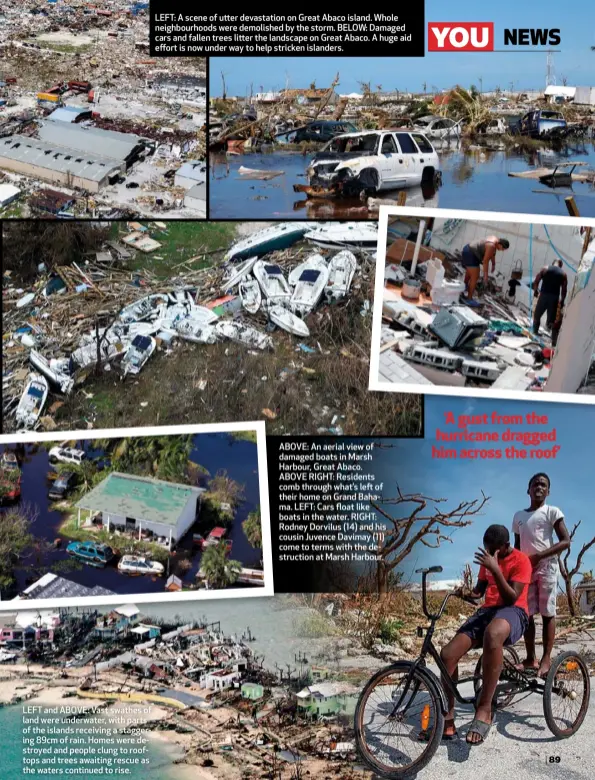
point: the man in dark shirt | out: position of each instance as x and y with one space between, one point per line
554 284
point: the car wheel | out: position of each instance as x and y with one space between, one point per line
369 181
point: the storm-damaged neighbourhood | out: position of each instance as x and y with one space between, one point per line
174 322
487 304
325 152
90 125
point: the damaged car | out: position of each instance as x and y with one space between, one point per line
364 163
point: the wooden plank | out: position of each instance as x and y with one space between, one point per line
571 206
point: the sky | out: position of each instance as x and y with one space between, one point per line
440 70
504 481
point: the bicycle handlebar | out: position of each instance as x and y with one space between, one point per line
424 574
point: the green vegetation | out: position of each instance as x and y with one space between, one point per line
163 457
222 489
252 527
314 625
180 242
219 572
245 436
15 537
389 630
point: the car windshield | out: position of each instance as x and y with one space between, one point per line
365 144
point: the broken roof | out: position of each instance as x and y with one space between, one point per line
55 157
143 498
90 140
51 586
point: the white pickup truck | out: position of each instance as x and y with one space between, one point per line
373 160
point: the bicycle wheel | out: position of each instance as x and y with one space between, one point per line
399 721
566 694
502 699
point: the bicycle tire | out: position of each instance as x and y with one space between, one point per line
427 679
477 681
548 693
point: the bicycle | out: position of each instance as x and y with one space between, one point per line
410 697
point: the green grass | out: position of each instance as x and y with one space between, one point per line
179 242
12 211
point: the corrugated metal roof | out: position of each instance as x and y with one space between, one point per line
92 140
142 498
57 158
67 113
51 586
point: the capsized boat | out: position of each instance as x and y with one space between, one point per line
285 319
269 239
195 330
144 308
316 262
137 354
239 273
345 234
309 289
342 268
272 282
250 295
243 334
32 401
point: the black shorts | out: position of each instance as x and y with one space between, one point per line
468 259
516 617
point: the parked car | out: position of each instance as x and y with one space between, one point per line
93 553
373 160
9 461
62 485
67 455
541 123
438 127
322 131
497 126
132 564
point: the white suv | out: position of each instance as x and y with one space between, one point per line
374 160
66 455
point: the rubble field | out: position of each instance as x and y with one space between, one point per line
86 70
205 357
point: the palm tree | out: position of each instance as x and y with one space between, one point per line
166 457
219 572
252 527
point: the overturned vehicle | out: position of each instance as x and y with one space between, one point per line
362 164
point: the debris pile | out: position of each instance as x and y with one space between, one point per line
98 317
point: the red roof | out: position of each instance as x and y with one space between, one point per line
218 533
441 100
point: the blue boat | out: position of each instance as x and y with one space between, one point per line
541 123
93 553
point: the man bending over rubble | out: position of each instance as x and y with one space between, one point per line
504 577
477 255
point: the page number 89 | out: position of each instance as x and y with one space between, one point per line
553 759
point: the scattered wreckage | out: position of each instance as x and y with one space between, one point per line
274 294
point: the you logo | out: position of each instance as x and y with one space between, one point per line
461 36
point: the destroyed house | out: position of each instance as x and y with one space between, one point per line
311 97
56 163
124 147
12 633
145 507
117 622
190 174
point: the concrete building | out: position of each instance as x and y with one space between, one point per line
125 147
8 193
327 698
56 163
220 679
585 96
146 507
190 174
196 198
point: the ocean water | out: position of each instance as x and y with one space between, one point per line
159 754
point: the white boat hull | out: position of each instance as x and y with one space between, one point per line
346 234
342 268
315 262
272 282
243 334
285 319
197 332
32 401
309 289
250 295
239 274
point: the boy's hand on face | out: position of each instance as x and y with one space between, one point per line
489 562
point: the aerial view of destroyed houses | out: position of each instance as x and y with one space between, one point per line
343 146
145 514
90 125
189 322
476 303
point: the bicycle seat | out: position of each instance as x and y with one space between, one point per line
431 570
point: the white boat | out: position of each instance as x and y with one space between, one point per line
309 289
243 334
272 282
269 239
113 342
316 262
32 401
137 354
144 308
54 374
240 273
342 268
250 295
196 331
345 234
285 319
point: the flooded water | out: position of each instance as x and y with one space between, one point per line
214 452
474 177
